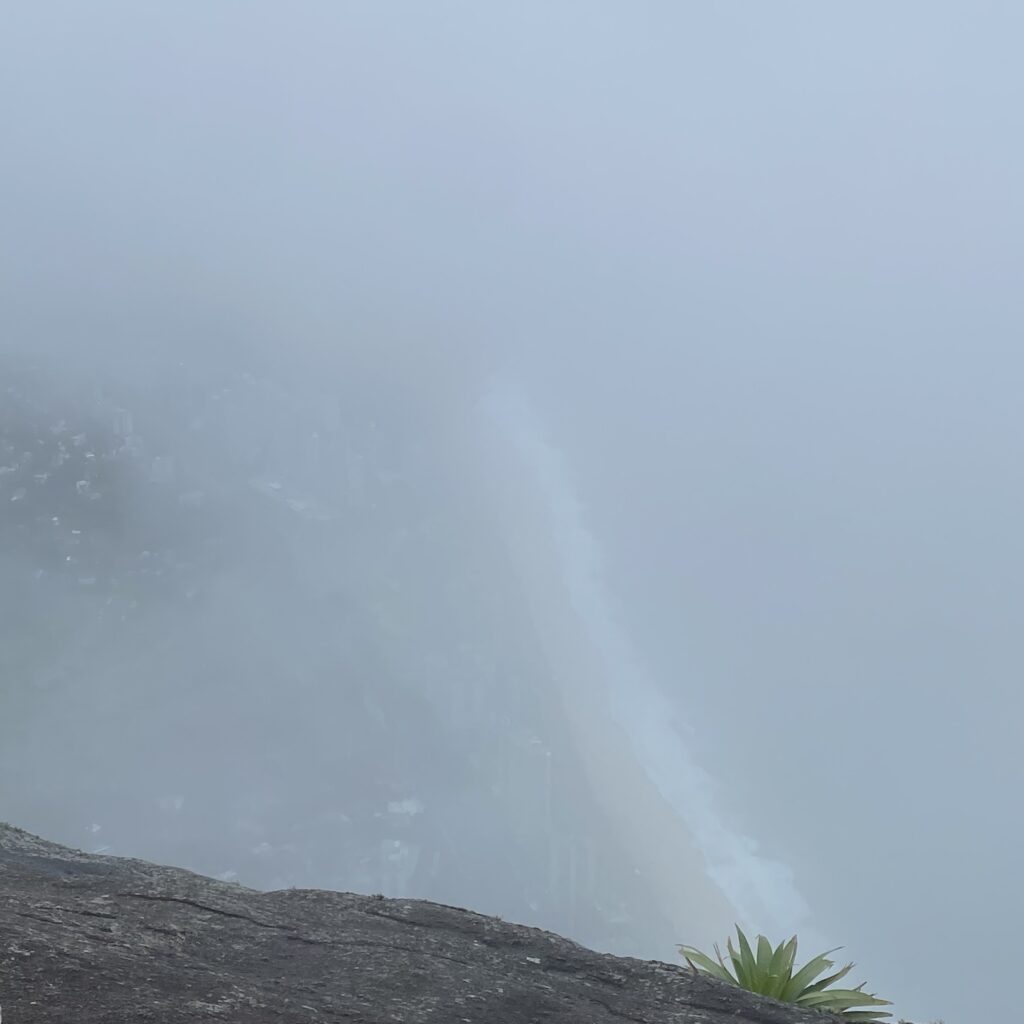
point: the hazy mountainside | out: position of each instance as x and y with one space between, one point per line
266 628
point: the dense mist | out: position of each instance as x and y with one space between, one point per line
553 458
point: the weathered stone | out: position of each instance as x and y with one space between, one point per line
100 940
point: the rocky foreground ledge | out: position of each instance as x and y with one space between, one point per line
87 939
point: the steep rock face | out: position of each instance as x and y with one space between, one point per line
103 940
306 583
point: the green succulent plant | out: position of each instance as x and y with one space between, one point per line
770 973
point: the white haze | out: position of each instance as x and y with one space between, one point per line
760 890
755 268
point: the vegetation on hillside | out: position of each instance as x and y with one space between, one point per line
771 972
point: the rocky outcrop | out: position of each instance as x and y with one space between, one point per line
102 940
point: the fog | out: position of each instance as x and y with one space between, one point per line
554 458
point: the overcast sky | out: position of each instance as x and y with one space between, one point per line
757 266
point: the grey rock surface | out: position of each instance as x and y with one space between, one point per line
103 940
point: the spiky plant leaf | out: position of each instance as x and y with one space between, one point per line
735 961
840 999
782 961
830 980
806 975
746 961
778 969
702 962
